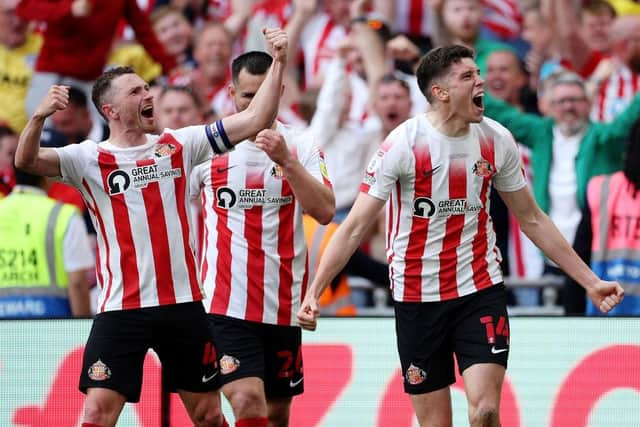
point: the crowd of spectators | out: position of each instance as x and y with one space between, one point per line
561 75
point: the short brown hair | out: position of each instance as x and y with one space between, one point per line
103 84
436 63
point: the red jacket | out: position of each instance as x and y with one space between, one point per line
79 47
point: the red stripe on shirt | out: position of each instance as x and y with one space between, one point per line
159 238
103 235
395 232
255 253
602 96
323 39
415 16
286 253
128 259
481 278
180 183
204 232
222 292
419 226
453 232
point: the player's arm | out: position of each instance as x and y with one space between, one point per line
263 108
29 156
315 198
342 245
543 232
79 295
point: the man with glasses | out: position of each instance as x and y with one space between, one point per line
567 150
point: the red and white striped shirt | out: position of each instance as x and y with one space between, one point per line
319 40
615 94
255 258
440 238
503 17
138 200
412 17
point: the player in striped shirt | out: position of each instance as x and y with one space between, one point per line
254 267
135 185
434 172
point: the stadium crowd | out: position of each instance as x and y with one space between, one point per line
561 75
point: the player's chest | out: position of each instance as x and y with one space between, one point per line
451 170
159 168
248 181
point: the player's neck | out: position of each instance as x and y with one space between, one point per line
447 123
126 137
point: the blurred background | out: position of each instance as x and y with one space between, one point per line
561 75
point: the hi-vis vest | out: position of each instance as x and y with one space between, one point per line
336 302
615 248
33 281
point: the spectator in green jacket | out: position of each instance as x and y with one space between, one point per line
567 149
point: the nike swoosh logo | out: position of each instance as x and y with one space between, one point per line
206 379
428 173
293 383
495 350
221 170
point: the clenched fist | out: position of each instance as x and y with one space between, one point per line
56 99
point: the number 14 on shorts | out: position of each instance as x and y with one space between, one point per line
493 330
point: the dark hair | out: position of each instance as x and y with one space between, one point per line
103 84
598 7
436 63
77 97
6 131
392 78
187 90
631 166
255 62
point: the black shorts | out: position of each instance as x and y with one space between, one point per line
178 333
251 349
475 327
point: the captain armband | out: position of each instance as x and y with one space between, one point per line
218 137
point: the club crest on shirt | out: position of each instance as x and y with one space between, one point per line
277 172
163 150
99 371
228 364
483 168
415 375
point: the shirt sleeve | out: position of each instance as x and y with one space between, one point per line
73 162
203 141
510 175
312 159
76 248
386 167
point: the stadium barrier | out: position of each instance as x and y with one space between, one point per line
577 372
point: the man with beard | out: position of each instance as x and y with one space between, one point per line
135 184
567 149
